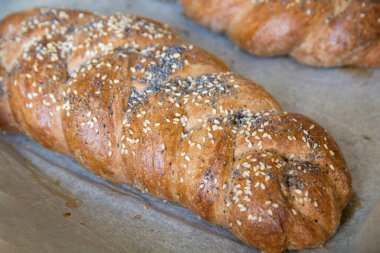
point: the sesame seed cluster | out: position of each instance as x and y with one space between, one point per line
133 103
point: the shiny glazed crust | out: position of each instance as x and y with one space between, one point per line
131 102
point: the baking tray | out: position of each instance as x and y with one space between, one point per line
48 203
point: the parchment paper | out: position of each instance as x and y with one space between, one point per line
48 203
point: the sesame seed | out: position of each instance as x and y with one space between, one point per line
246 165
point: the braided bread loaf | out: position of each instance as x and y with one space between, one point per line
322 33
132 103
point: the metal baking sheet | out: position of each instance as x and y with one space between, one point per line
48 203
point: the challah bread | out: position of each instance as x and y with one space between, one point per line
314 32
126 98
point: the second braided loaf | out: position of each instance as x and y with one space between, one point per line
321 33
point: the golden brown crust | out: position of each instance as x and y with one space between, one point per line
132 103
319 33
